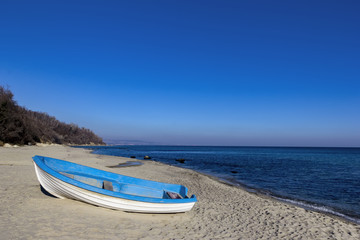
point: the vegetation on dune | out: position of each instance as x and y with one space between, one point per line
19 125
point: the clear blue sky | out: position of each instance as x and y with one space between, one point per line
268 73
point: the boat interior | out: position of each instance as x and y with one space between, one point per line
125 188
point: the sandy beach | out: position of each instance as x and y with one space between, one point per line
222 211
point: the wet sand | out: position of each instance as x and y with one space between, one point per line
223 211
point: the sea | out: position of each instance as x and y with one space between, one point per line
326 180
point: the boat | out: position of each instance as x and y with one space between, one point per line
69 180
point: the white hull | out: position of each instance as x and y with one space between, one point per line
62 189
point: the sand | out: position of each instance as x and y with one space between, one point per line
223 212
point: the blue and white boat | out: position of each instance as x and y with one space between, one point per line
106 189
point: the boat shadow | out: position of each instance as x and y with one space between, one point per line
127 164
46 192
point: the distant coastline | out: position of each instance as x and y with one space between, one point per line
147 143
110 141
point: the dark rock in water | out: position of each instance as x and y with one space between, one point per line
234 171
132 157
180 160
147 157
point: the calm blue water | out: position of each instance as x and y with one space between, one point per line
322 179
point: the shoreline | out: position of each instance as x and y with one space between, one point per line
292 202
222 211
263 193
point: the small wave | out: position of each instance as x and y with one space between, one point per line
317 208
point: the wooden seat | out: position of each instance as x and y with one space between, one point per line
108 185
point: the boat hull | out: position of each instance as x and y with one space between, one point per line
63 189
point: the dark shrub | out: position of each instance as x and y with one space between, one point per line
21 126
